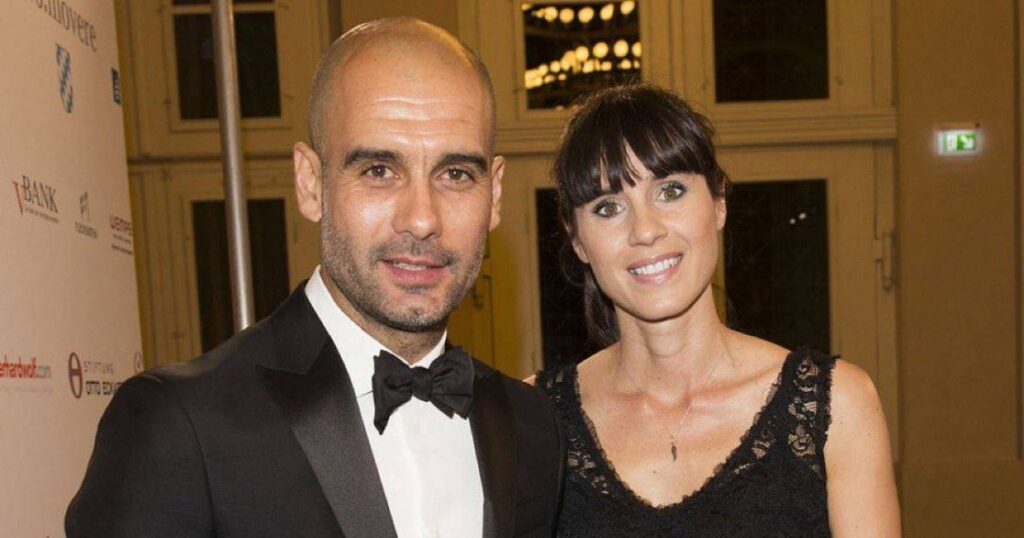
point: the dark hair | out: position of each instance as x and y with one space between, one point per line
667 137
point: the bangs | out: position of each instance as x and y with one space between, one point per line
664 134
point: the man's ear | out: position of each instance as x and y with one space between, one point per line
497 172
309 186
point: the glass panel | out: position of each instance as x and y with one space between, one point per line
572 49
770 50
563 331
268 253
776 262
258 81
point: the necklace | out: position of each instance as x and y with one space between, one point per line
673 434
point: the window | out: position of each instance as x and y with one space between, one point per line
777 262
573 49
256 42
268 253
770 50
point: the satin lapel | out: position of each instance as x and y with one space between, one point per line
320 406
494 428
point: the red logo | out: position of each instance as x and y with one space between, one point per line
75 374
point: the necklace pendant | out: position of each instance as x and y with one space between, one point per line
674 451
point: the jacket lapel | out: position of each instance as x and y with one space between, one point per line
493 426
308 381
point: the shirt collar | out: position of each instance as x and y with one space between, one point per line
356 347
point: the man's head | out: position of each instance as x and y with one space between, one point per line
402 174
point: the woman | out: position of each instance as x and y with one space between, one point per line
681 426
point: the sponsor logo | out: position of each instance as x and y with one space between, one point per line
81 225
67 91
91 378
122 234
72 21
21 369
75 374
24 374
36 198
116 78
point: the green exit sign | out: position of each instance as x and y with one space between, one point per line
958 142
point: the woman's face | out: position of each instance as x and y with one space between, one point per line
652 247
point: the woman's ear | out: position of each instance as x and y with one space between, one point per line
721 212
581 253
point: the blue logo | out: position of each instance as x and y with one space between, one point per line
67 92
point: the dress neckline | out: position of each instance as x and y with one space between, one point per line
591 438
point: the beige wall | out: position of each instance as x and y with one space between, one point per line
440 12
958 323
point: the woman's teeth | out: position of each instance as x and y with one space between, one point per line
657 267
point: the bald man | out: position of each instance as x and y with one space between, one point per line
346 412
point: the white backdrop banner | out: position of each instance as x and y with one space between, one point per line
69 319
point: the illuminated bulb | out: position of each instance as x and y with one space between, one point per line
627 7
550 14
527 7
549 78
582 53
542 70
606 66
566 64
636 64
600 50
555 67
561 76
569 58
588 67
621 48
638 49
625 64
607 12
567 15
586 15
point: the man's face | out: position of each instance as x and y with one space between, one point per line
409 191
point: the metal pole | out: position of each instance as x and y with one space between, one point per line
234 183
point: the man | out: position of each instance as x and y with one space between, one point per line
311 423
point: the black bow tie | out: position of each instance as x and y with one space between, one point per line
448 384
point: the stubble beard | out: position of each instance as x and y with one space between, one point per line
356 279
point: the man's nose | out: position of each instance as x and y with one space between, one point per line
646 229
417 212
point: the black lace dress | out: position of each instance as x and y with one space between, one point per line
772 484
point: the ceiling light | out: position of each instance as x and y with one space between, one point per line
586 15
621 48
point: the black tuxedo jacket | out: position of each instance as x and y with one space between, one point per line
262 437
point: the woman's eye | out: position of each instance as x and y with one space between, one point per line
672 190
606 209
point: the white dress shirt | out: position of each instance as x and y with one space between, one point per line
426 460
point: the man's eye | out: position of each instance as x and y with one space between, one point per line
672 190
458 174
607 209
377 171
